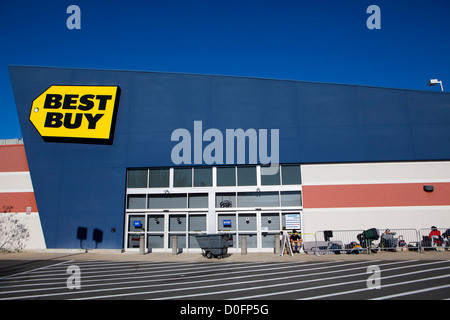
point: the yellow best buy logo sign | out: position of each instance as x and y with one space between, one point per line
76 112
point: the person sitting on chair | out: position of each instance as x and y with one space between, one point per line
446 236
435 236
388 239
296 241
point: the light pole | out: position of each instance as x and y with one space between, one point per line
434 82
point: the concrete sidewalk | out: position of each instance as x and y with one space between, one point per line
198 257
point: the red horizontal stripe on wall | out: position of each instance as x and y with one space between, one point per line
375 195
17 202
13 158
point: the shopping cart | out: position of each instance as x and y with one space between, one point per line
214 245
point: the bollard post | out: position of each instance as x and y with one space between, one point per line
277 244
243 245
141 244
174 244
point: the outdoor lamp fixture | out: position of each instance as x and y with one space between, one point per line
434 82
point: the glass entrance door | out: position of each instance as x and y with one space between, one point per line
270 227
259 228
156 224
248 226
159 228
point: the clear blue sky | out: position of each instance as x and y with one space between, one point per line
321 41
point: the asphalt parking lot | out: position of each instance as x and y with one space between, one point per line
191 277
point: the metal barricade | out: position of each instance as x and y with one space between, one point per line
363 241
434 238
399 240
336 242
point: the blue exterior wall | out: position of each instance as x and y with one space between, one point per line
83 185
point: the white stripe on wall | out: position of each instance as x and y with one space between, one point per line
376 173
15 182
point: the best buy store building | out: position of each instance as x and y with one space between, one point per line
100 147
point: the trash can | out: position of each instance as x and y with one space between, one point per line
213 245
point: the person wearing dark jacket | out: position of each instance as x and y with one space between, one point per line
296 241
